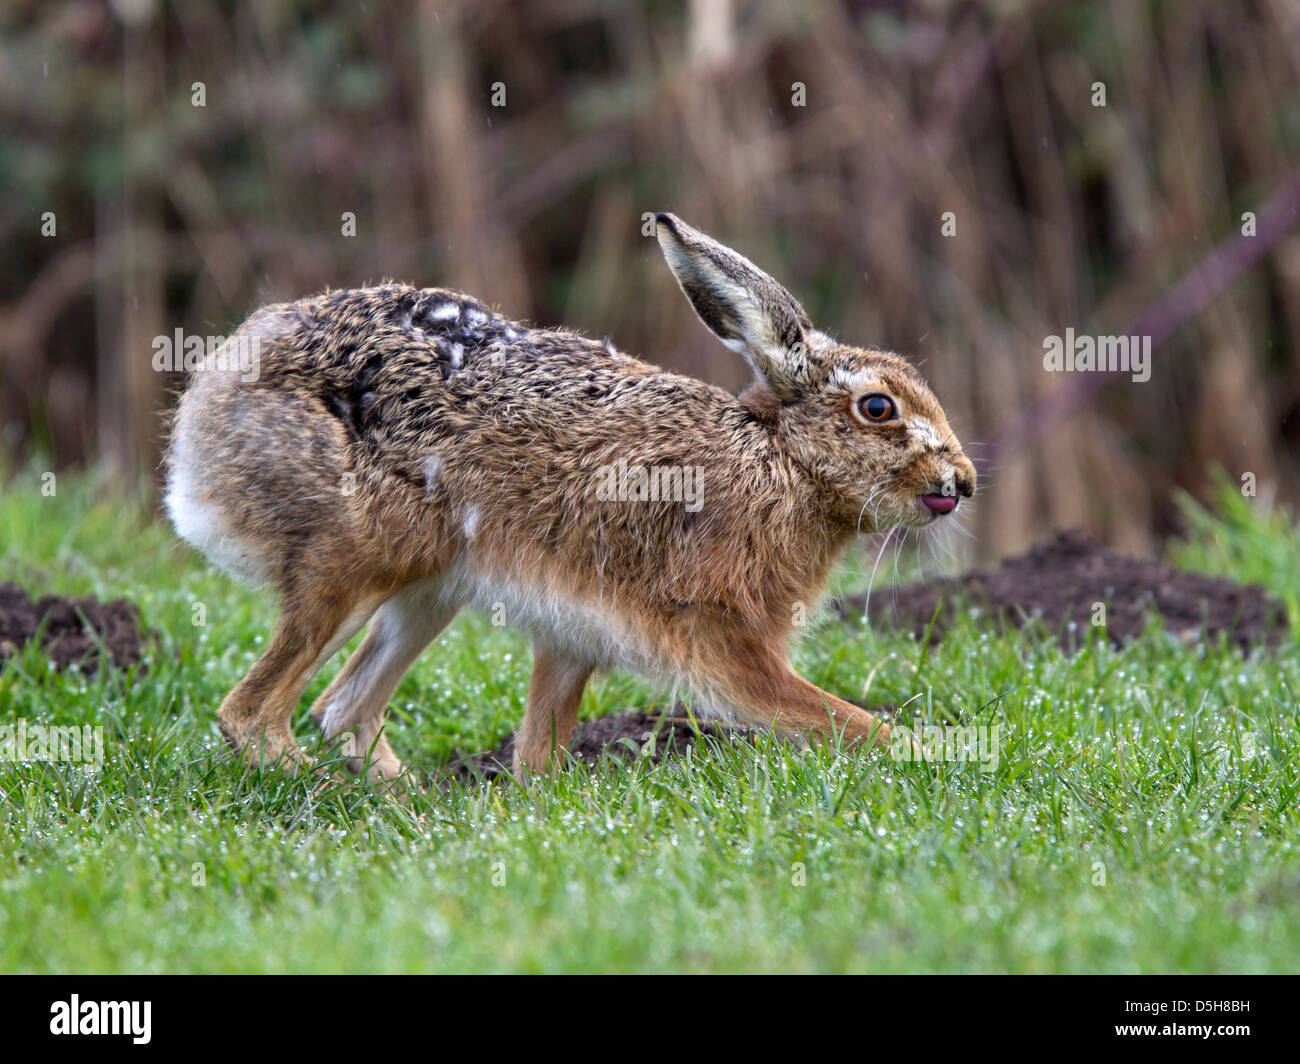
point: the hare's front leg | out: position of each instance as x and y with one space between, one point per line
255 717
358 698
554 695
764 689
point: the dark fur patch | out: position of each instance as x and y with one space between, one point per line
354 404
341 408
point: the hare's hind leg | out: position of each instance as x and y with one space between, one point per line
256 716
554 695
358 698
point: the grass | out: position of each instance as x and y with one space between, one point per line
1142 815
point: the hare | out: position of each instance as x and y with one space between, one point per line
404 452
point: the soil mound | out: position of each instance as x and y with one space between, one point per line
80 630
625 735
1058 582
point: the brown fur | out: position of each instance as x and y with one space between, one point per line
408 451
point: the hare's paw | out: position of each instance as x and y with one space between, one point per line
259 745
364 748
378 762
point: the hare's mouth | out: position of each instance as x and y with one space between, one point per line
938 504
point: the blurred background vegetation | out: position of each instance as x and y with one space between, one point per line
824 140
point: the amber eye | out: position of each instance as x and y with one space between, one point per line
876 407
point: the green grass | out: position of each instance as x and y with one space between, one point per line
1172 771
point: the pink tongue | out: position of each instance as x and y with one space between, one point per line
940 504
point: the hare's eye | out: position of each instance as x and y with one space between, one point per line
876 407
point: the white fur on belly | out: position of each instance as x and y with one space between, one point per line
588 632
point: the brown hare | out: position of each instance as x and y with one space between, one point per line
404 452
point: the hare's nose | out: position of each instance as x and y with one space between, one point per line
965 477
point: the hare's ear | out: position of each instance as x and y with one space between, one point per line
745 308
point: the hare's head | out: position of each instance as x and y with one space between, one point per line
862 423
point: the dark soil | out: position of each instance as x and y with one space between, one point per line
113 627
1058 581
623 735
